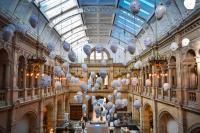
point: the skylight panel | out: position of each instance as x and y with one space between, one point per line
148 3
130 21
50 4
69 24
76 37
81 41
66 15
142 10
61 8
76 30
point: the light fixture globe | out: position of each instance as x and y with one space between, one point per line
84 67
58 85
33 20
148 82
138 64
189 4
160 11
137 104
99 48
185 42
45 81
148 42
103 73
92 74
8 33
87 49
135 81
174 46
87 97
135 7
131 49
166 86
50 46
66 46
113 48
72 56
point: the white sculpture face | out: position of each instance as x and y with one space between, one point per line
160 11
174 46
8 33
189 4
131 49
185 42
72 56
33 20
87 49
113 48
135 7
66 46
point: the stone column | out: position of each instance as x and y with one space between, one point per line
41 116
54 118
186 82
198 87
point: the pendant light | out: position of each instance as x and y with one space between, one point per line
189 4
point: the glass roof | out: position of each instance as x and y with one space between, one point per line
132 23
66 17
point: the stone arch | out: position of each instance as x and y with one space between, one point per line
103 50
60 112
48 118
27 123
5 69
148 118
167 123
194 128
189 55
190 70
172 72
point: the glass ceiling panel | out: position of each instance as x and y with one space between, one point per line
55 8
132 23
76 37
147 7
46 5
76 30
97 2
69 24
66 15
81 41
61 8
121 36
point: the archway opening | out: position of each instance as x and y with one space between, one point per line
47 119
167 123
148 119
28 124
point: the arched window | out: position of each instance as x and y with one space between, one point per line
191 68
172 72
98 56
29 76
21 72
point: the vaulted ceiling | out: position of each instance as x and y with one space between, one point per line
104 21
96 21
